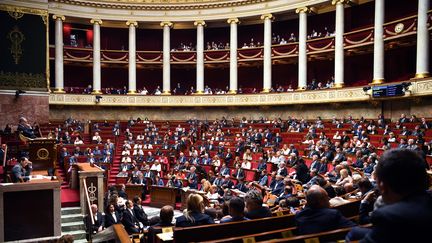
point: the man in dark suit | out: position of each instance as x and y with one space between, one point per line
129 220
111 216
139 211
407 215
278 186
98 223
192 178
227 183
238 173
317 216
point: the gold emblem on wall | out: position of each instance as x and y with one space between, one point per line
16 37
16 13
42 154
399 28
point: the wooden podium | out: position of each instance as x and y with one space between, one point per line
42 153
30 210
92 177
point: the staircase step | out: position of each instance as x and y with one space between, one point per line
72 218
77 234
72 226
70 210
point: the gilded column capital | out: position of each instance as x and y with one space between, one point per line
304 10
267 16
96 21
334 2
233 20
131 23
167 23
55 17
200 22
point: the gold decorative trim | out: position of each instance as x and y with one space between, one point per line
303 10
265 91
233 20
96 21
378 81
200 22
55 17
167 23
166 92
334 2
339 85
131 92
97 92
131 23
59 91
267 16
16 37
422 75
17 80
24 10
232 91
155 5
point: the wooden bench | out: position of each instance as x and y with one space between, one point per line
232 229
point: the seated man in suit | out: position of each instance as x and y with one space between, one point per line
254 206
407 215
317 216
192 178
129 220
111 216
139 211
98 223
21 171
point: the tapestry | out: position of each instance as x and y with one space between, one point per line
23 49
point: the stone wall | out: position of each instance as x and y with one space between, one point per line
33 106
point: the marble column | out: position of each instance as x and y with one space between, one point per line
96 56
200 56
132 56
166 57
378 72
59 74
267 77
339 43
233 83
302 50
422 67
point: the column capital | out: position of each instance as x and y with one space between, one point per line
335 2
267 16
96 21
55 17
131 23
200 22
167 23
304 10
233 20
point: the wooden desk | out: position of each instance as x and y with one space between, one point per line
161 196
133 190
23 206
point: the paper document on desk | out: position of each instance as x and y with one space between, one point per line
169 236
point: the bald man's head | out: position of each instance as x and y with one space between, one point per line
317 197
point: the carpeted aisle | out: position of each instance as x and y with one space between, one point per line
69 197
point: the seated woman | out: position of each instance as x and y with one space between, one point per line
213 195
194 215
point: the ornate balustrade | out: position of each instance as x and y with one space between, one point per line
417 89
393 30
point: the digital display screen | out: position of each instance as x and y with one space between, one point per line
388 91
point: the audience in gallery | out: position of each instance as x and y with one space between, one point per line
342 167
179 90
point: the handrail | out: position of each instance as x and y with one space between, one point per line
88 202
